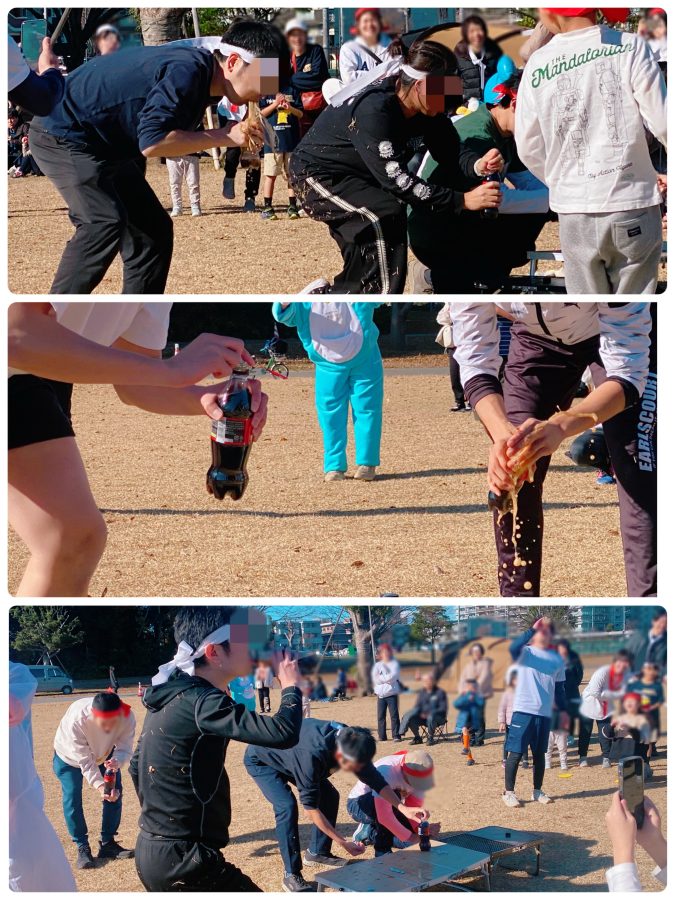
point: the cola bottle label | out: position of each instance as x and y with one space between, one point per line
233 432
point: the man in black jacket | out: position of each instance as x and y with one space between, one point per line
430 710
322 749
145 102
178 766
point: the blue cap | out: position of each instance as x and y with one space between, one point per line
505 67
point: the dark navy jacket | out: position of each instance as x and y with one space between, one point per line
118 105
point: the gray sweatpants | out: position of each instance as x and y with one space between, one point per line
611 253
179 168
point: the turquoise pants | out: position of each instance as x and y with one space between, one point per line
360 384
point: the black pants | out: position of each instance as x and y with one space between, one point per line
478 736
252 186
459 262
384 704
558 369
414 723
166 865
586 730
114 210
264 699
368 225
455 379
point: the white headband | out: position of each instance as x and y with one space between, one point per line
386 69
216 43
185 655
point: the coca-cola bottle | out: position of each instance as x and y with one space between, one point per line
108 781
490 212
231 439
423 833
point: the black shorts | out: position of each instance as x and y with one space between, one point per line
39 410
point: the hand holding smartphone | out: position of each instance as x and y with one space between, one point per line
631 787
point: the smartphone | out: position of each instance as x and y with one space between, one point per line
632 786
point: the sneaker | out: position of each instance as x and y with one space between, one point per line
196 210
583 762
564 767
541 797
268 214
113 850
431 742
415 740
293 212
460 407
249 204
176 211
606 764
325 860
364 834
465 751
228 188
365 473
570 740
604 478
84 858
419 276
334 476
547 764
318 286
293 883
510 799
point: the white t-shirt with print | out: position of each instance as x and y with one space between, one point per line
144 324
538 672
583 104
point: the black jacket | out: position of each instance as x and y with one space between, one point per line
432 703
309 70
643 650
178 766
574 673
368 139
470 71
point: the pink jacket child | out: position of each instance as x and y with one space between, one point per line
410 773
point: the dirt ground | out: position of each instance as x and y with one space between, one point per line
575 853
421 529
225 251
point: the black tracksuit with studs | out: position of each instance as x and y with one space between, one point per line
178 770
351 172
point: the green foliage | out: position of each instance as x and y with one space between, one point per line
214 21
429 623
45 629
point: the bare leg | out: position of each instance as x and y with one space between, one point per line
52 509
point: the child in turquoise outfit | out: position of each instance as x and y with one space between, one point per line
341 341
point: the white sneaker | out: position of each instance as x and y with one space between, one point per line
541 797
334 476
564 767
196 210
176 211
318 286
365 473
547 764
583 763
606 764
510 799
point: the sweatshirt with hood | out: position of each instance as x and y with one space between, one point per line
178 767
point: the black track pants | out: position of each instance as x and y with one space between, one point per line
114 210
368 225
165 865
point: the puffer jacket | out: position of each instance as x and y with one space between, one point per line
470 72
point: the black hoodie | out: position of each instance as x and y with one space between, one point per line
178 768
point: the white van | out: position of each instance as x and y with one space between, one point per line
51 679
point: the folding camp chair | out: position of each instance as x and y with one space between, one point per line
440 732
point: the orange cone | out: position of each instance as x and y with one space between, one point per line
466 749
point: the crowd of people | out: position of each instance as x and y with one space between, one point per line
176 758
415 146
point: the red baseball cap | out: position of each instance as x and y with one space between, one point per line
364 9
612 13
656 11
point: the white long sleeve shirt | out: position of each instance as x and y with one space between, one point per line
623 328
81 743
385 676
583 103
625 877
598 688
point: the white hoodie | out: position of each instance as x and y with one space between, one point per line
583 103
80 743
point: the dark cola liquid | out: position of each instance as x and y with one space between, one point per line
231 440
490 212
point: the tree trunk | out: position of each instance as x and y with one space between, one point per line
160 25
364 649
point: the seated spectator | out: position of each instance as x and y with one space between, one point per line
340 692
624 835
629 730
16 131
466 249
477 57
471 707
369 47
430 710
319 692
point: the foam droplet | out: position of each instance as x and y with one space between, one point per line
528 585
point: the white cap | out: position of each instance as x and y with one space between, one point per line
104 29
292 24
